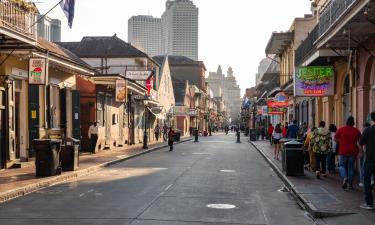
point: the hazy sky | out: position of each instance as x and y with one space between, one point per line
231 32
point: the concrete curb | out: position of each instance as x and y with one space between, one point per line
19 192
301 200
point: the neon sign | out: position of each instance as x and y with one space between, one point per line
314 81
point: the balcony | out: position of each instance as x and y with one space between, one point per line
18 18
329 16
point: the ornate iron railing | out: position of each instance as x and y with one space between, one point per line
18 18
330 14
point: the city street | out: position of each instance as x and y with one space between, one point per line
215 181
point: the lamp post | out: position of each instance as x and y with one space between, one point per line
196 125
145 136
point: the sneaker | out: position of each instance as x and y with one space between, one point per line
365 206
317 175
345 184
360 184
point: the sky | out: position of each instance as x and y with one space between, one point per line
231 32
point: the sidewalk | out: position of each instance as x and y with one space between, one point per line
18 182
325 196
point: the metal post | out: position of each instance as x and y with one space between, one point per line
145 131
238 136
196 127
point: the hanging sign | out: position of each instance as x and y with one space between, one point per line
315 81
138 75
121 92
37 71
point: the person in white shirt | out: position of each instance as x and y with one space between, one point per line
93 136
276 136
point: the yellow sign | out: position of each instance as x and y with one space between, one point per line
33 114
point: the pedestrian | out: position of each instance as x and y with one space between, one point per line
362 160
157 132
321 145
308 145
276 136
347 138
303 131
226 130
165 132
285 130
263 132
171 135
368 140
93 136
191 131
331 157
293 130
270 132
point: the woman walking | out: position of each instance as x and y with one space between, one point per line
331 157
276 136
171 139
310 149
321 144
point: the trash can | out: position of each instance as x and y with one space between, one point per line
293 158
177 135
69 154
253 134
47 161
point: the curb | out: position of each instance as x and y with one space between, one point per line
301 200
19 192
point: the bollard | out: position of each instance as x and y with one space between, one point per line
238 137
196 136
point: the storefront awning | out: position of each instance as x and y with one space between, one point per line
159 116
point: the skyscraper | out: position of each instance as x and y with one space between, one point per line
180 29
144 32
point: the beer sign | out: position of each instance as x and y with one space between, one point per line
37 71
121 93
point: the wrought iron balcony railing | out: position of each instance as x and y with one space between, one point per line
332 13
18 17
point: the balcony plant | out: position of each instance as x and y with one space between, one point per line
25 5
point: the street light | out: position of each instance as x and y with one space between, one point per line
196 125
145 136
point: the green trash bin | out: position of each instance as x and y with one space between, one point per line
47 162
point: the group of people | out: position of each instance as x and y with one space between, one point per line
325 145
168 135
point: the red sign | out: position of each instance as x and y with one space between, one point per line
273 104
149 82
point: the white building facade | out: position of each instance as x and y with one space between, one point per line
145 33
49 29
180 29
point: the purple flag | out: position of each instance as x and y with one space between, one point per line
68 8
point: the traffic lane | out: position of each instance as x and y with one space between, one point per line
120 191
228 173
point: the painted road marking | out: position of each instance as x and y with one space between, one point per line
228 171
221 206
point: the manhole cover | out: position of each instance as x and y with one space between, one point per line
221 206
228 171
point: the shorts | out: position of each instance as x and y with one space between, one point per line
276 141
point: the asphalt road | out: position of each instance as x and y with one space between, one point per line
168 188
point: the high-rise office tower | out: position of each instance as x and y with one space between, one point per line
144 32
180 29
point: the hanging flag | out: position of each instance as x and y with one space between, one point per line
149 83
68 8
246 103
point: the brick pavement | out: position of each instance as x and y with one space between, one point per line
12 180
325 194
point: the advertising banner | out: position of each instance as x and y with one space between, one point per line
316 81
138 75
121 93
37 71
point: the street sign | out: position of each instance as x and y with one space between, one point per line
138 75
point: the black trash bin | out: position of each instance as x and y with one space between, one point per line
253 134
69 154
177 135
293 158
47 161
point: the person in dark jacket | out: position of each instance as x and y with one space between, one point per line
171 135
368 139
293 130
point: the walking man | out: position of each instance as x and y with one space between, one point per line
171 139
368 139
348 137
292 130
321 144
165 132
157 132
93 136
